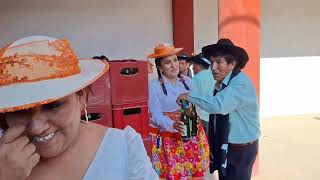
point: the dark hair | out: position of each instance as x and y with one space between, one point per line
3 123
158 64
102 57
204 66
183 81
87 90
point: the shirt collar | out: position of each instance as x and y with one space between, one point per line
218 86
227 78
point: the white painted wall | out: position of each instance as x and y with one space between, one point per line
117 28
290 28
290 60
205 23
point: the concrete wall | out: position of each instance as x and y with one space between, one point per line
290 28
117 28
205 23
290 60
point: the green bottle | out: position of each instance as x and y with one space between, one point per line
186 120
194 120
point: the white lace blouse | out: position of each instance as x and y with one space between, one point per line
121 156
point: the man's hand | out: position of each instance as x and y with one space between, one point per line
17 155
179 126
183 96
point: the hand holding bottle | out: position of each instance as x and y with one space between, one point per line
179 126
181 97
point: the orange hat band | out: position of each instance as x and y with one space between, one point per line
166 50
48 59
162 50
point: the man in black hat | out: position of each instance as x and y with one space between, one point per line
234 127
203 81
184 65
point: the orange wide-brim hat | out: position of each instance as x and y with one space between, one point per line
164 50
37 70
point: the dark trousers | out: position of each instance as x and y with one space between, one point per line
205 126
240 162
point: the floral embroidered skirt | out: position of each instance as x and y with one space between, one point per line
175 159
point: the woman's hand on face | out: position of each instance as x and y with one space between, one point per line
17 155
183 96
179 126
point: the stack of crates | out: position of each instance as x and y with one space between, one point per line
99 102
120 98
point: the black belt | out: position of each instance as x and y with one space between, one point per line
243 144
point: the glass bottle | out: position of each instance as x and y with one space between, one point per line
185 119
194 120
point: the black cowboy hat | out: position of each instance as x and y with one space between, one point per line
183 57
200 59
226 46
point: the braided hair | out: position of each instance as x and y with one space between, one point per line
183 81
157 61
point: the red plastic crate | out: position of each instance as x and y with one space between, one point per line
100 114
99 102
134 115
148 145
128 81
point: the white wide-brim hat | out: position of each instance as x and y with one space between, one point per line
30 77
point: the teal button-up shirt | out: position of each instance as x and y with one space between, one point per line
203 81
240 101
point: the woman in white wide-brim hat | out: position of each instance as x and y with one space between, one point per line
43 89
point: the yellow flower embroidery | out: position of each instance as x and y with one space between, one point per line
188 166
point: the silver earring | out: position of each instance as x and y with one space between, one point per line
1 132
86 112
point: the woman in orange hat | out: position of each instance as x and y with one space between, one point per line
43 89
172 157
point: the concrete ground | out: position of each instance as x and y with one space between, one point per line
289 148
